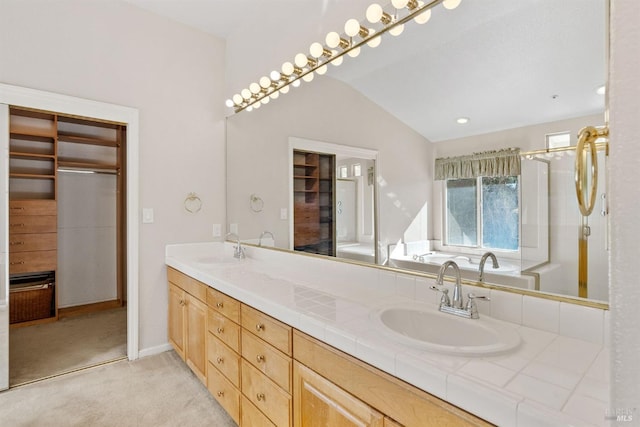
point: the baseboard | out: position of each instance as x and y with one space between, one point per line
78 310
151 351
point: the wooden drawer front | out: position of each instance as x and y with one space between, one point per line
224 329
33 242
189 284
272 331
33 207
25 262
252 417
224 359
33 224
266 395
268 360
223 304
224 392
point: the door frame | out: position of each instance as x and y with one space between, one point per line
48 101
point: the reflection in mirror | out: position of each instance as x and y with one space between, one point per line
516 70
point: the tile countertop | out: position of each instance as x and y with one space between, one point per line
549 380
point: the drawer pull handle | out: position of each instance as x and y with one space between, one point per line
219 305
260 327
220 393
219 360
260 396
17 209
16 243
260 358
21 224
182 303
17 263
220 330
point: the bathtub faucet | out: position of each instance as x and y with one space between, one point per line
421 257
483 260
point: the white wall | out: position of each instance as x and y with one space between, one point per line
113 52
624 104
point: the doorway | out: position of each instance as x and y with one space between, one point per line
29 99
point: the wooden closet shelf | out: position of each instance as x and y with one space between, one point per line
83 164
84 139
304 177
304 165
32 134
31 176
31 156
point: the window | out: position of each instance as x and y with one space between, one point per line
483 212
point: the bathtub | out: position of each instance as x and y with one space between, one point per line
363 252
508 273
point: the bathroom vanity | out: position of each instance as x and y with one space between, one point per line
281 339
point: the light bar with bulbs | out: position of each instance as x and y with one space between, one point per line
356 34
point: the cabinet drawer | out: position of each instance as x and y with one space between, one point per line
267 360
224 392
224 358
26 262
33 207
269 329
223 304
189 284
266 395
33 224
224 329
33 242
251 416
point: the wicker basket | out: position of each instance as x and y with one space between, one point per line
30 302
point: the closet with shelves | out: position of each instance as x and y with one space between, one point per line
313 200
54 160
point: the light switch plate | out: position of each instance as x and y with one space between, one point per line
283 213
147 215
233 228
217 230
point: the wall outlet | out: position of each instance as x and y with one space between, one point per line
217 230
147 215
283 213
233 228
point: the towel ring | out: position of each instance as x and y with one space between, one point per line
256 203
587 135
192 203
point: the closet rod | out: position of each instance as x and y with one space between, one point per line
87 170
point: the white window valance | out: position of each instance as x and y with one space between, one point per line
504 162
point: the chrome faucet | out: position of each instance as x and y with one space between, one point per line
483 260
238 250
265 233
456 305
420 258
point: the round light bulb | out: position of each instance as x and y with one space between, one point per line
287 68
322 70
424 17
237 99
265 100
354 52
337 61
462 120
316 50
451 4
374 13
301 60
254 87
265 82
352 27
375 41
399 4
229 103
332 40
249 108
256 105
397 30
275 94
275 75
308 77
246 93
284 89
296 83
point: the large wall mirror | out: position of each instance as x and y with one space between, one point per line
524 74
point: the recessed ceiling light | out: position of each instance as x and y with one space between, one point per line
462 120
601 90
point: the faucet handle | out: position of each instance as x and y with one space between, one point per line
444 301
471 304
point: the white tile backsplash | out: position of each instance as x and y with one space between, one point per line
406 285
541 313
583 323
506 306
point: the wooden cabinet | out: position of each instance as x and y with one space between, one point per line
313 198
318 402
188 323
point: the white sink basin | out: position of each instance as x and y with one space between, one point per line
218 259
423 326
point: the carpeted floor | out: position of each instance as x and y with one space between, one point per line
71 343
154 391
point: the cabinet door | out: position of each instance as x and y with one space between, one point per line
196 353
318 403
177 325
